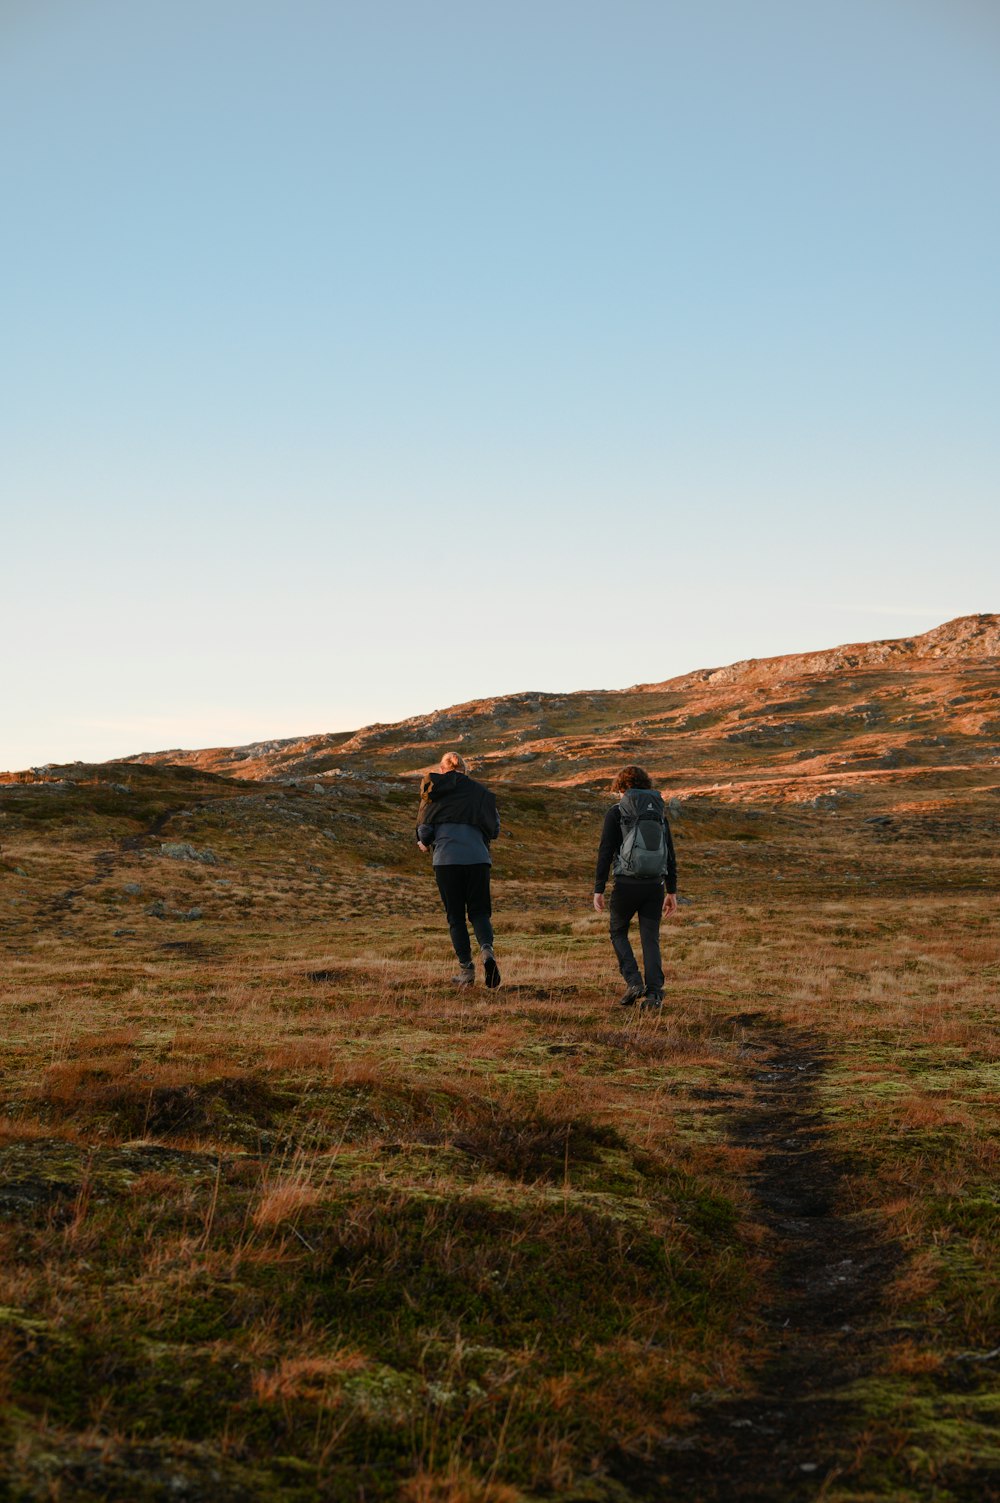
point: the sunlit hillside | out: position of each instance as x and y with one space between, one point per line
777 728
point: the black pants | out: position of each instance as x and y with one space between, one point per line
466 889
646 900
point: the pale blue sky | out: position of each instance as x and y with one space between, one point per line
361 359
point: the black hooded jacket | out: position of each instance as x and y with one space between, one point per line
458 818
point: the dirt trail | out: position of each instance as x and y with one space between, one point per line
792 1435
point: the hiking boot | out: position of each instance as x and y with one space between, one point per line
631 997
491 969
652 1002
466 975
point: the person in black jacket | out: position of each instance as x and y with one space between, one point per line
637 844
457 820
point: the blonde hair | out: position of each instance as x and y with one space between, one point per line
452 762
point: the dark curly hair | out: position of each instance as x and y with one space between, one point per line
631 777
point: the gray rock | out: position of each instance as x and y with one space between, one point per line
191 915
157 909
132 889
896 756
181 850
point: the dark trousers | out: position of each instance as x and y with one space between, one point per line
646 900
466 889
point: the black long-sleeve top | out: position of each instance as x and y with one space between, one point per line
611 844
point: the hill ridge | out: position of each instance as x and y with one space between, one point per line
772 728
725 717
975 636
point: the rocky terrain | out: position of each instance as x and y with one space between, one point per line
873 717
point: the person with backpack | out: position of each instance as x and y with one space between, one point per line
636 844
458 819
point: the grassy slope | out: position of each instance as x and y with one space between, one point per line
284 1216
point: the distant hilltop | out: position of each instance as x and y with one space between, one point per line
865 709
965 637
929 701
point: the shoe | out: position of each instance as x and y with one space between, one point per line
466 975
492 970
651 1002
631 997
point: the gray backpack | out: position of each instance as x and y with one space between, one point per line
643 851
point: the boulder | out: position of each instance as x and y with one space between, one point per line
182 850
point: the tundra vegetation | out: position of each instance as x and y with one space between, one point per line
285 1216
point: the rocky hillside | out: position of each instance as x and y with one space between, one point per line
964 639
865 719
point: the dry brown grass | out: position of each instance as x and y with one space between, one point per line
456 1484
270 1166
